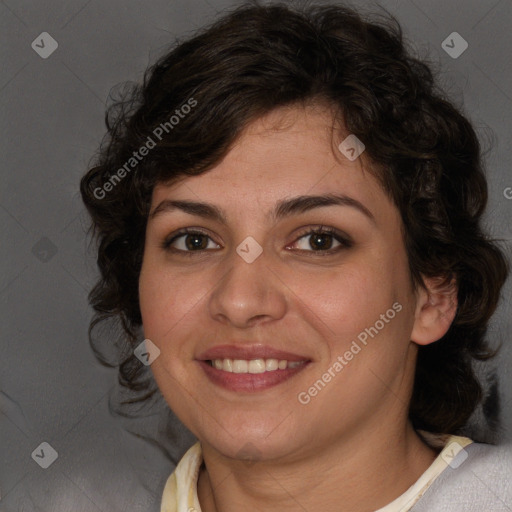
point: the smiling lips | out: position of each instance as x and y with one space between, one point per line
253 365
249 368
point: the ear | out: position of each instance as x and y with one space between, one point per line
436 305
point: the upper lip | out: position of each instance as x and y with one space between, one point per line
248 352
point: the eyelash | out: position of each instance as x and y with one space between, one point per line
344 240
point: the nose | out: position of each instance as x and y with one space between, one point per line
248 293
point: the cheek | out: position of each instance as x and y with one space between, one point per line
349 303
348 297
171 304
166 318
160 301
151 297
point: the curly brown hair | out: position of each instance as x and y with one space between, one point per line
255 59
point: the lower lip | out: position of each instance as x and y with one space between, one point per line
249 381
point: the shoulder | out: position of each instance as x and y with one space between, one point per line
478 478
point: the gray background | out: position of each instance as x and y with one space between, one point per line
52 389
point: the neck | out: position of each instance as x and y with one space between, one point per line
365 472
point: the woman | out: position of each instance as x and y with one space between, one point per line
291 210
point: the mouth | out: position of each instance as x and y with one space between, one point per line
243 368
253 366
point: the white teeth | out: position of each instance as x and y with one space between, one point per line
257 366
240 366
271 364
254 365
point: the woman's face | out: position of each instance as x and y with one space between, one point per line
254 289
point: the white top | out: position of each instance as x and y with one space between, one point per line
180 492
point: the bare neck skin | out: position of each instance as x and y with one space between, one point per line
360 474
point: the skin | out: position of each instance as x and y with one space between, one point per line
355 431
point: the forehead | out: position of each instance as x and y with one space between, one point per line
288 152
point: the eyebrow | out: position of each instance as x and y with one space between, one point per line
283 208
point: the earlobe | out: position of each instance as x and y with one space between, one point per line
436 307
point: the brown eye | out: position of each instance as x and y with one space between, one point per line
189 241
322 240
195 241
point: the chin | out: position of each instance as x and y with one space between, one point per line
252 444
